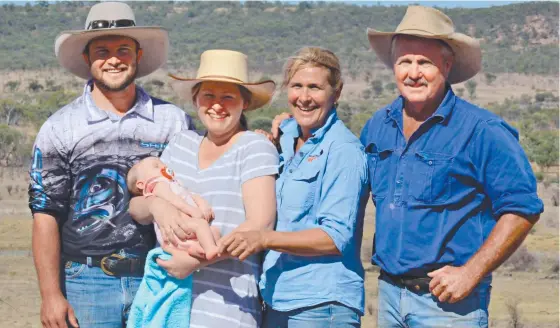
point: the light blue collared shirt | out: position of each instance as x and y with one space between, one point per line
324 185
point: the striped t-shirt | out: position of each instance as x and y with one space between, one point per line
225 294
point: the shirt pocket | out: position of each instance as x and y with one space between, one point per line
379 165
429 182
300 189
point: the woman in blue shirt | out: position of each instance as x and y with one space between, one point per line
312 273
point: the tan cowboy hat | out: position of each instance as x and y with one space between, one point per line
112 18
431 23
226 66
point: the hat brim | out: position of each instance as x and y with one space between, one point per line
467 53
154 41
261 92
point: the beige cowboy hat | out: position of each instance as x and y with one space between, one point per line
112 18
226 66
431 23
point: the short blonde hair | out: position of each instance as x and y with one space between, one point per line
314 57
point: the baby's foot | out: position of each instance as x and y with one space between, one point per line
211 253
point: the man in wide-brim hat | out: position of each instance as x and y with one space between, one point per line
78 194
454 192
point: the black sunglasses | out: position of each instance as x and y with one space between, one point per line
97 24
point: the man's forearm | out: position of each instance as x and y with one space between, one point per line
46 254
508 233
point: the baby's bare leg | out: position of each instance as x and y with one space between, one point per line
203 206
205 236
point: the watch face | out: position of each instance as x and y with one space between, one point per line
168 173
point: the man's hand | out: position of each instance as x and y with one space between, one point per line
54 310
242 244
170 220
452 284
275 129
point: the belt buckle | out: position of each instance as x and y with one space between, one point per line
109 257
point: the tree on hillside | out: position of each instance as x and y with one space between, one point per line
11 85
262 123
10 113
471 88
460 92
377 87
490 78
35 86
391 87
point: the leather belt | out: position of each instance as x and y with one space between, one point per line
414 284
112 265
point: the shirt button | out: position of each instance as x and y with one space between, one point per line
398 181
300 153
430 162
290 170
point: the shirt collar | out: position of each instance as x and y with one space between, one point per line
143 106
442 113
291 128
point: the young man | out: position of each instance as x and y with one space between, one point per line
454 192
78 195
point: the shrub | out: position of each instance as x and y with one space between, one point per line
539 176
521 260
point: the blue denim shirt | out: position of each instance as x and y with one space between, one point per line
438 195
323 185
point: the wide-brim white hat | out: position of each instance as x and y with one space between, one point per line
153 40
430 23
226 66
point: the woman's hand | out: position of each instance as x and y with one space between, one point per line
171 221
275 129
242 244
181 264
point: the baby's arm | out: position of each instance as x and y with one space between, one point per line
204 206
163 190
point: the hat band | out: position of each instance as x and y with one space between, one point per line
410 30
220 77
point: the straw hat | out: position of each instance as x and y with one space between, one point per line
112 18
431 23
226 66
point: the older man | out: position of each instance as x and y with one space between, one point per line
82 153
454 192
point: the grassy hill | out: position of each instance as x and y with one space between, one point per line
521 38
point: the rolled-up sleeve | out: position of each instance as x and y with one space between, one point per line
49 187
504 171
343 186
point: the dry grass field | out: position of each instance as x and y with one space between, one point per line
506 84
531 288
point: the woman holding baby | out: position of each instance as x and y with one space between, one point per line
231 168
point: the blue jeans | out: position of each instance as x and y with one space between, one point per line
99 300
332 314
400 307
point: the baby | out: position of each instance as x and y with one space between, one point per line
150 177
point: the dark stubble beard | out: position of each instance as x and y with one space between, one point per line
128 81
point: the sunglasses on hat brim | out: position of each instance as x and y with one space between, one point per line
98 24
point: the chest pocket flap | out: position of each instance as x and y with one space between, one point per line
300 188
379 165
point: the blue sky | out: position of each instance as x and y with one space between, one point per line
444 4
